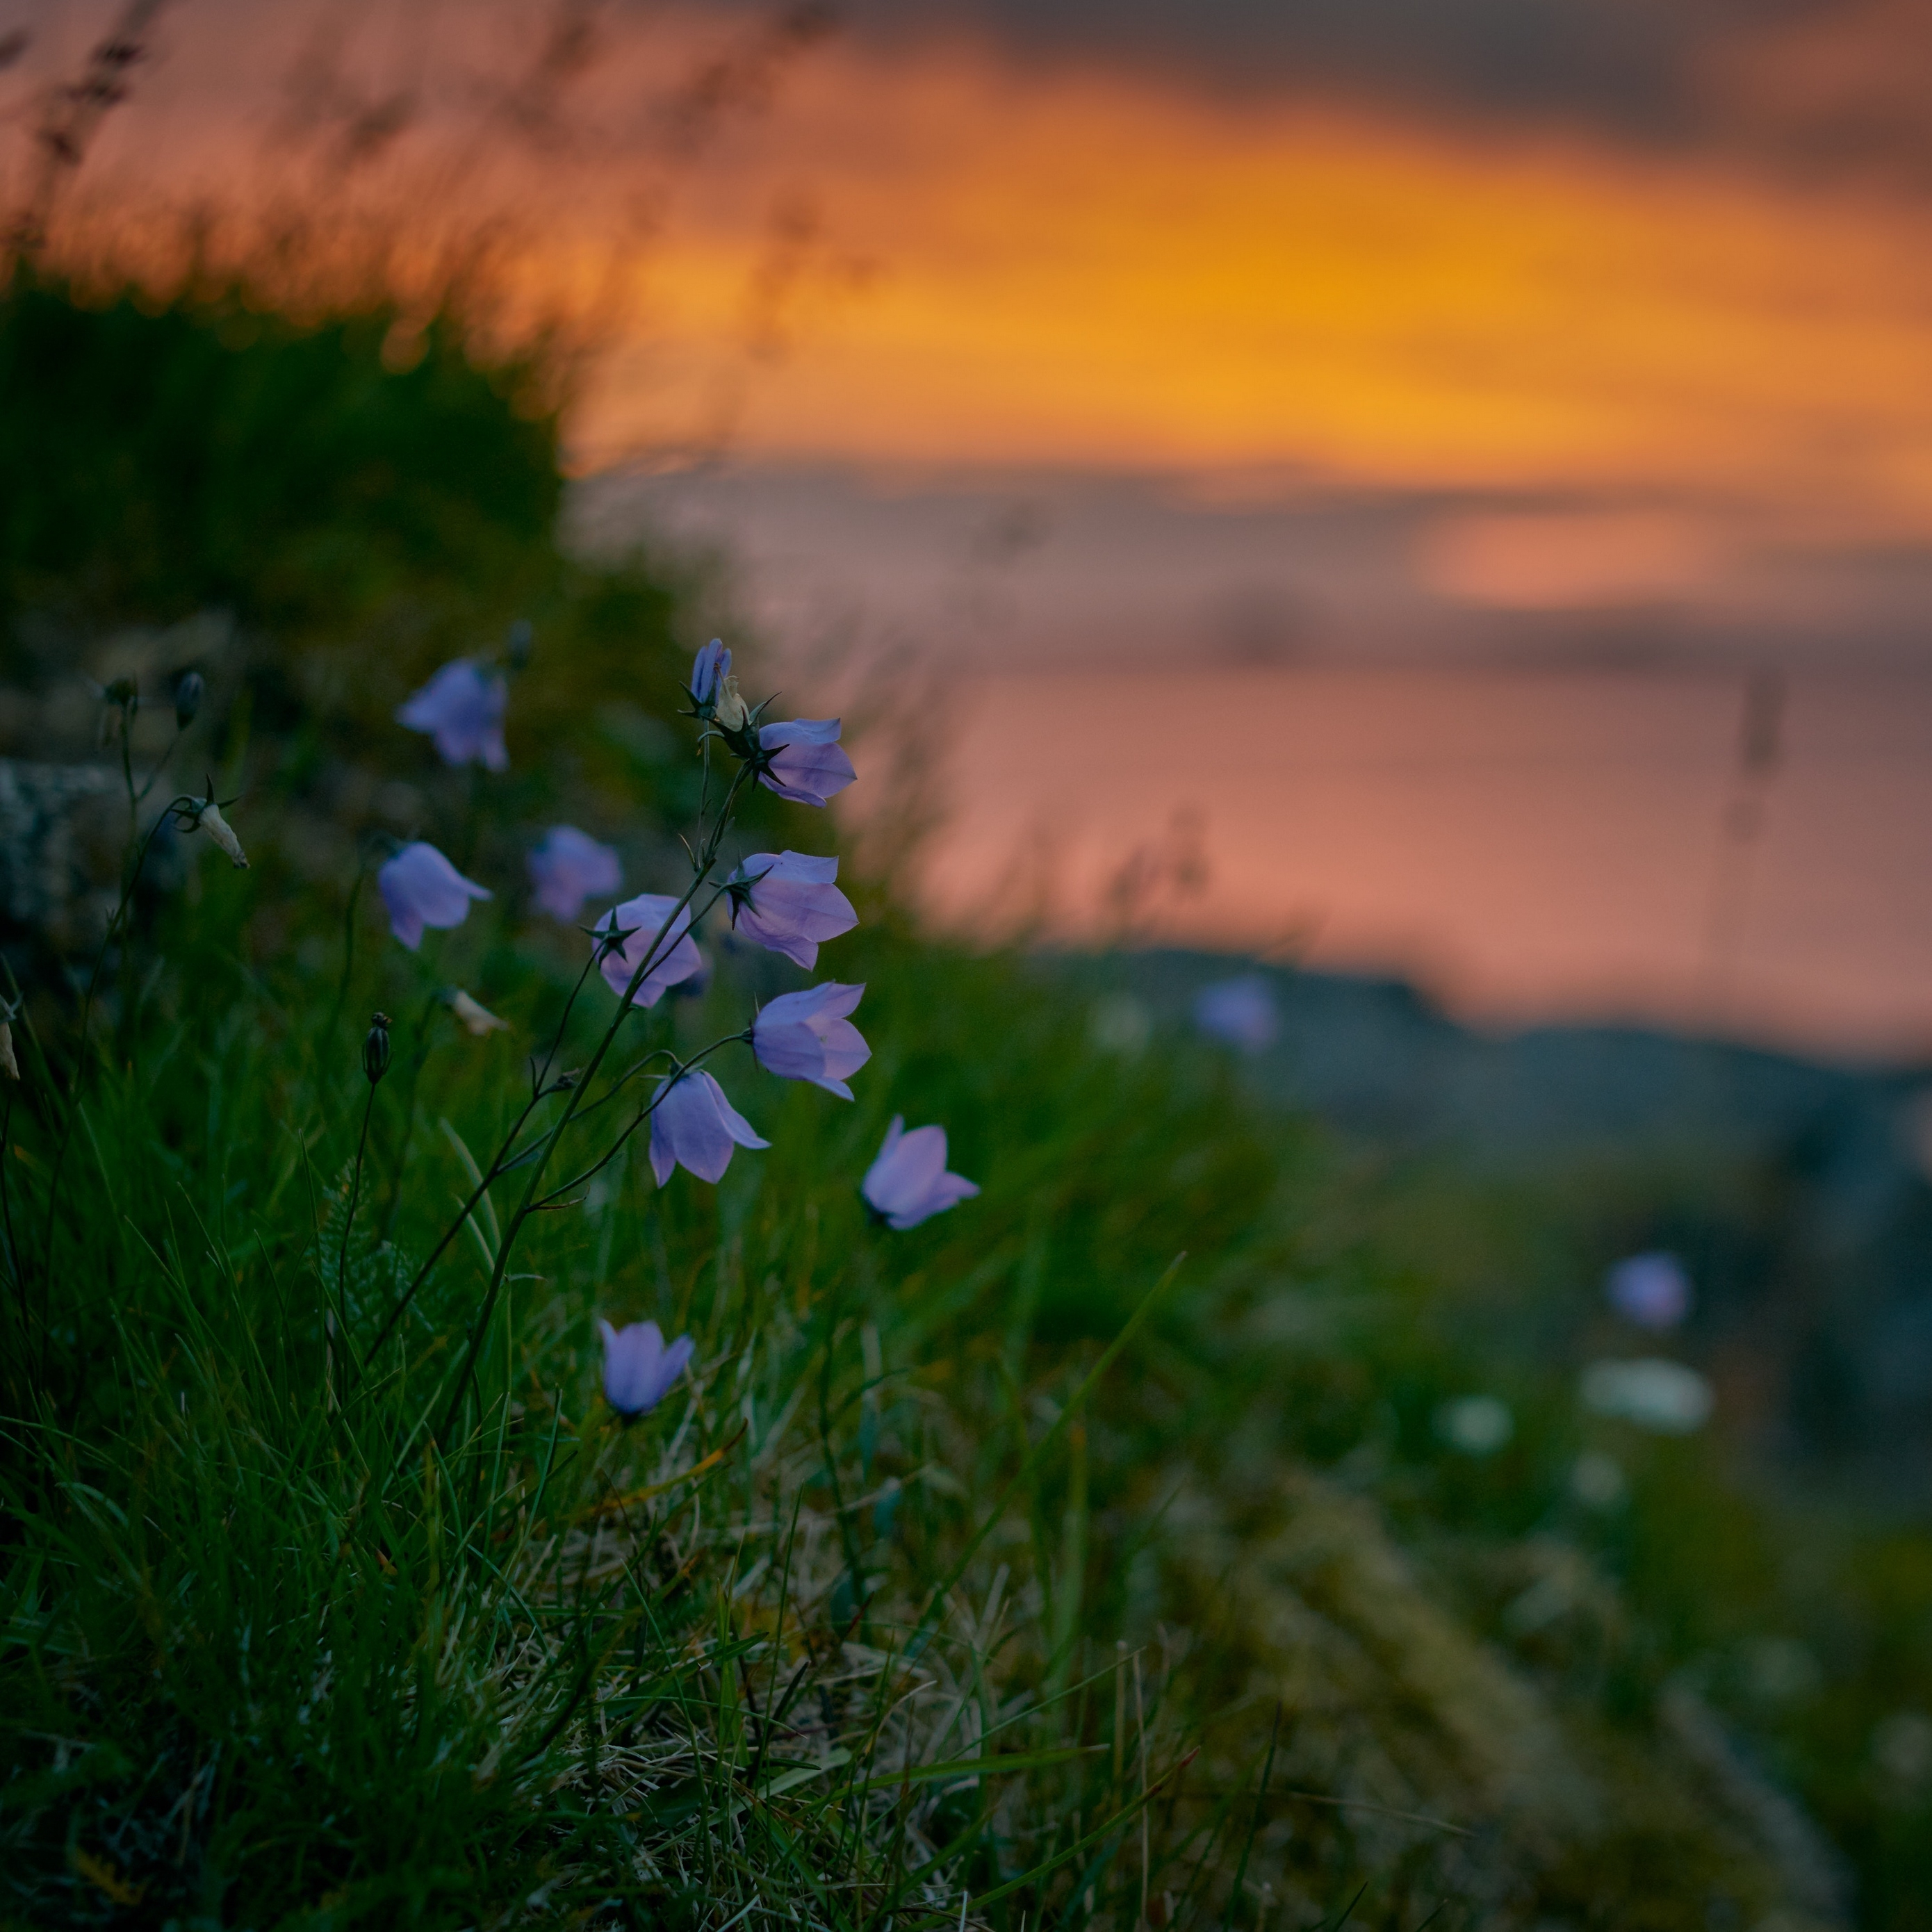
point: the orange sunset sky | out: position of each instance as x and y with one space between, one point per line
1172 237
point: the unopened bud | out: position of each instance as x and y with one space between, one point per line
218 828
187 698
9 1065
521 638
124 692
730 710
375 1048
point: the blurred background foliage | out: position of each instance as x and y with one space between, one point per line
1572 1674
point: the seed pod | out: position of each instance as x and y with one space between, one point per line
187 698
375 1048
124 692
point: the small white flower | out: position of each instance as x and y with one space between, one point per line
204 815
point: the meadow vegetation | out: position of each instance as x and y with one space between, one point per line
1093 1553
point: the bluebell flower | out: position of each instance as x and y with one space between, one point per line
421 887
462 709
1652 1290
1240 1012
806 1037
712 663
908 1183
638 1369
570 866
801 759
693 1125
787 900
673 958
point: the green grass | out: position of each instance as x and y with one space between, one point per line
999 1569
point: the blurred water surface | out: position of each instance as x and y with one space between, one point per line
1526 843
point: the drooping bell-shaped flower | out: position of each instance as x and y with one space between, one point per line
908 1183
693 1125
712 663
475 1017
1240 1012
638 1369
570 866
806 1037
801 759
461 708
204 815
1652 1290
787 900
421 887
673 953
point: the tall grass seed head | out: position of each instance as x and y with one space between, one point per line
807 1036
788 902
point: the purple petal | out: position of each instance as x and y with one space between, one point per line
461 708
673 956
421 887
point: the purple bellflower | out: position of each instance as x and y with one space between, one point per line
801 761
421 887
675 957
1239 1012
787 902
569 867
462 709
693 1125
1652 1290
908 1183
638 1369
806 1037
711 667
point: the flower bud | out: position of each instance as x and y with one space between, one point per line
732 713
187 698
124 692
375 1048
9 1065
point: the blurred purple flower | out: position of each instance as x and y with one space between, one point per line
801 759
806 1037
908 1183
676 955
569 867
1652 1290
638 1369
713 662
787 900
694 1127
421 887
1239 1012
462 709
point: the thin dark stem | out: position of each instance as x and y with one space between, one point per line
423 1043
6 1211
180 732
348 957
534 1189
80 1055
355 1196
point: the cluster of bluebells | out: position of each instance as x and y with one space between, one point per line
788 902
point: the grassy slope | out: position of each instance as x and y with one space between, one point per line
267 1660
